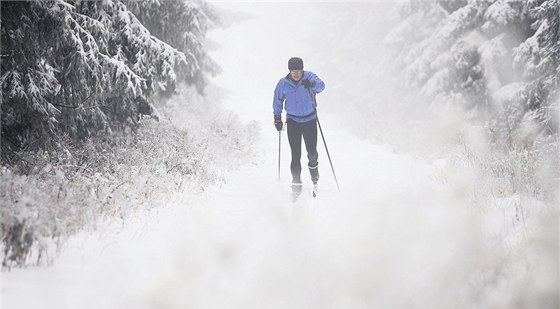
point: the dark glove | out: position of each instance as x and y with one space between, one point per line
308 83
278 122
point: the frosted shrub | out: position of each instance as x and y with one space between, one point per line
73 74
19 215
109 177
531 171
497 61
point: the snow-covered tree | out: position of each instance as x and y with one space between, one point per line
30 88
476 52
444 69
74 68
70 72
538 58
183 25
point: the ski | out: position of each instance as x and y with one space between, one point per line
297 190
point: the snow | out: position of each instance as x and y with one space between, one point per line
249 244
65 5
502 12
397 235
509 93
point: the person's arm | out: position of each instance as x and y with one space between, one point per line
277 106
278 101
317 85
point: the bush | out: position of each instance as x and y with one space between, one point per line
54 195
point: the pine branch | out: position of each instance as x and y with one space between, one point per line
74 107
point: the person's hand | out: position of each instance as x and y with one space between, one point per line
307 83
278 122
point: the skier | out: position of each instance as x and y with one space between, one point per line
297 90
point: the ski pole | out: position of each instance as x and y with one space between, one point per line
328 155
323 137
279 152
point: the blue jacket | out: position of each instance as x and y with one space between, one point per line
299 105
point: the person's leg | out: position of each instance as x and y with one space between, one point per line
310 138
294 138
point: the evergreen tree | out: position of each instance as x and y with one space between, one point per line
183 25
76 68
501 57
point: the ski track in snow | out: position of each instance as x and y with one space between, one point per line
244 244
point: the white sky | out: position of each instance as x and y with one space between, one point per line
300 1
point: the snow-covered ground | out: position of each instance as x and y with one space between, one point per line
394 237
246 245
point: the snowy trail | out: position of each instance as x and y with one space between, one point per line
393 238
246 245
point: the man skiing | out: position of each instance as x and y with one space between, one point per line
297 90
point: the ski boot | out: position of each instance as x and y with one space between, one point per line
314 171
296 190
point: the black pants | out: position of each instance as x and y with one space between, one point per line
309 132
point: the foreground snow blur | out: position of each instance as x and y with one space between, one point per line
407 229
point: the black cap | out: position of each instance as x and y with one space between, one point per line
295 63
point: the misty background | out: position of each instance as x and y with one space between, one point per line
441 117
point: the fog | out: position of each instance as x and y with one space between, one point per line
341 50
343 44
415 224
399 240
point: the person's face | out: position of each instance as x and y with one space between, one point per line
296 74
